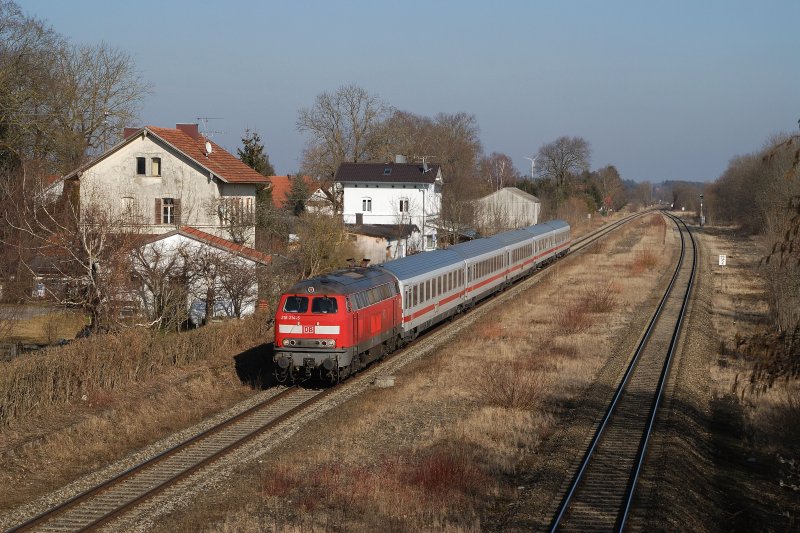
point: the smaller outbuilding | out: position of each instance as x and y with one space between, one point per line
190 269
506 209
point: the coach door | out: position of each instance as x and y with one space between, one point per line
355 333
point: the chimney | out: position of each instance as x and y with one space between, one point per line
400 159
189 129
127 132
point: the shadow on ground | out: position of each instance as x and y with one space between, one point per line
255 367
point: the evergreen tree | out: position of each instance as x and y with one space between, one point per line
296 199
252 154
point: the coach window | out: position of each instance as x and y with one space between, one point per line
295 304
324 305
415 295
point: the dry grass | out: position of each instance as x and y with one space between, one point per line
436 450
62 375
643 261
601 298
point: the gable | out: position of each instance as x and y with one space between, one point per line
218 163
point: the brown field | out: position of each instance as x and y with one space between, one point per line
41 329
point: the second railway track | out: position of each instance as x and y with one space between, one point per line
599 495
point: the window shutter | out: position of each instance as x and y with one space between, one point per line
158 211
177 211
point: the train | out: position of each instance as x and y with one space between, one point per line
333 325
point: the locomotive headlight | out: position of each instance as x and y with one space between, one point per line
285 342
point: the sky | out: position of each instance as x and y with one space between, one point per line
663 90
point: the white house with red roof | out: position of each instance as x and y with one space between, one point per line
161 179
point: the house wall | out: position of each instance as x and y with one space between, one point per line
503 211
375 248
424 202
114 183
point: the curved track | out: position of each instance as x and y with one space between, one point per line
120 494
600 493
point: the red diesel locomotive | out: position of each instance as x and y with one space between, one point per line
337 323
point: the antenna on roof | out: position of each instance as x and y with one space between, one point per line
425 167
205 131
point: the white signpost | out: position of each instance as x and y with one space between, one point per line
723 259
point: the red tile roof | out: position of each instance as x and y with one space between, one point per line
225 244
282 185
222 163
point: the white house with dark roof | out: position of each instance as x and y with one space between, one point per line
160 179
395 194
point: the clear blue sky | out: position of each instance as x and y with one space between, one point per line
662 90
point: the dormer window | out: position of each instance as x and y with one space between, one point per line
141 166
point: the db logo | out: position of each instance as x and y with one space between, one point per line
308 329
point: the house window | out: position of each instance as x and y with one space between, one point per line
155 166
167 210
404 205
140 166
366 205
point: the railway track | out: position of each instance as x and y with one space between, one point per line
107 501
123 493
599 495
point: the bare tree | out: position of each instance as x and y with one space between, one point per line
59 103
162 279
344 126
235 216
562 158
237 285
498 171
98 95
323 244
86 251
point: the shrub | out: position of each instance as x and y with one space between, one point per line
601 298
643 260
444 470
509 385
573 319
